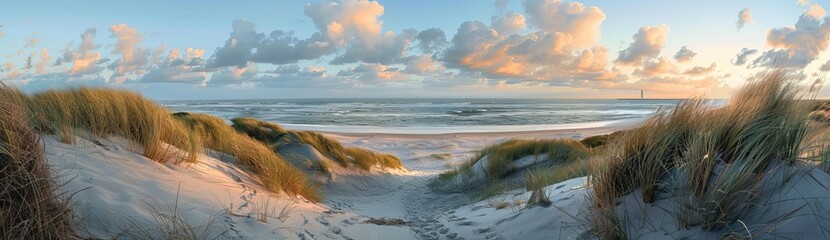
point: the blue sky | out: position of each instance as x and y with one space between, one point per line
380 55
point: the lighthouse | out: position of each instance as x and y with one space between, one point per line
641 94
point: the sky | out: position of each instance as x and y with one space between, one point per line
411 49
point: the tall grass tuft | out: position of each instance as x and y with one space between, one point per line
501 156
29 208
274 172
718 155
273 134
365 159
111 112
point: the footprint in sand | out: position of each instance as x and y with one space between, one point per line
323 221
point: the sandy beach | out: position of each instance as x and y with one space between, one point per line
114 187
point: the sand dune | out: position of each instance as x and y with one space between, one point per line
119 192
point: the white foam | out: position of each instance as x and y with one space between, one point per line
461 129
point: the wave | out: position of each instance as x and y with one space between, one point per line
469 112
351 129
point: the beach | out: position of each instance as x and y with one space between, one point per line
112 184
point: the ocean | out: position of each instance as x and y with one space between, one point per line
434 115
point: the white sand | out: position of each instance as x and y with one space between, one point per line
115 191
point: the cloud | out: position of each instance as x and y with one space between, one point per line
684 54
562 52
574 19
370 73
431 40
386 49
84 59
656 67
283 48
355 26
744 17
1 32
648 42
510 23
31 42
699 70
40 68
795 46
178 68
816 11
343 20
350 27
424 64
29 64
742 56
133 58
238 49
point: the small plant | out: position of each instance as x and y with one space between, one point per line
535 183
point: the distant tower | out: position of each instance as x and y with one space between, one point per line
641 94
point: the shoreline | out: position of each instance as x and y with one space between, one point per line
586 129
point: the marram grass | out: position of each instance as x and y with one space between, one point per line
103 112
349 157
763 125
29 206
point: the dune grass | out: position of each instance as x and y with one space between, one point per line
365 159
112 112
29 206
104 112
348 157
559 160
274 172
501 156
720 155
260 130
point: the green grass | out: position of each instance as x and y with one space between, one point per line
763 124
29 206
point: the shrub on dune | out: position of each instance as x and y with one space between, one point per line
29 208
717 156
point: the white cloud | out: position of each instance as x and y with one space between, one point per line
742 57
795 46
684 54
580 23
648 42
510 23
744 17
133 57
85 58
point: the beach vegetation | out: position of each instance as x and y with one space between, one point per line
30 207
713 158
